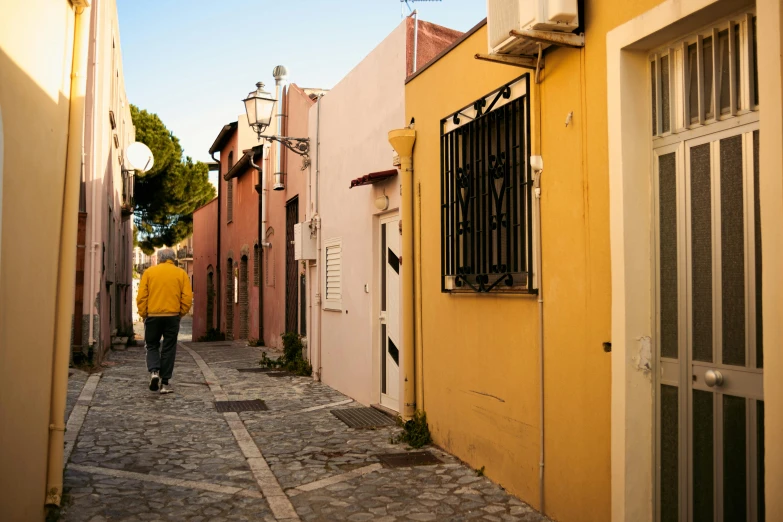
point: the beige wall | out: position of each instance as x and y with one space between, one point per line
770 59
354 119
629 157
36 45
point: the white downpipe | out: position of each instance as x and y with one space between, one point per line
94 168
540 279
317 219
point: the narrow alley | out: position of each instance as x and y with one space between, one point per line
139 455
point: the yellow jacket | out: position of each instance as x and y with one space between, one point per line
164 290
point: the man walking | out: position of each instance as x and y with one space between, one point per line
164 297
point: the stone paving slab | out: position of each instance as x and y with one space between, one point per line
143 456
76 380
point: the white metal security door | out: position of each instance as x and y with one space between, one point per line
391 332
710 402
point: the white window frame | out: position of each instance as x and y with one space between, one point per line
331 303
742 104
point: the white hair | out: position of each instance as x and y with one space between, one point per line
166 254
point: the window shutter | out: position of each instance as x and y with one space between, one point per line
333 268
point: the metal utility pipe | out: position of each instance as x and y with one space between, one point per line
281 76
218 262
66 280
261 238
537 189
94 245
402 141
418 304
317 219
415 15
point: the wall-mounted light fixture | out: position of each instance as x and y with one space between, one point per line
382 202
259 106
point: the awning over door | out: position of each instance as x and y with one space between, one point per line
373 177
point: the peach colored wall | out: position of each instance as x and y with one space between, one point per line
238 236
355 117
204 256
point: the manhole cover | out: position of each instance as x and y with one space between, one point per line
408 459
256 370
363 417
237 406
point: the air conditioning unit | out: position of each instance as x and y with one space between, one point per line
505 16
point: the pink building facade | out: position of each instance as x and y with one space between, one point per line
256 285
205 264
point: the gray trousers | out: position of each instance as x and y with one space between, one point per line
160 355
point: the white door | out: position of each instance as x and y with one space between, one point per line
391 331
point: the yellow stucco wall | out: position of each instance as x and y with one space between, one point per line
36 45
475 345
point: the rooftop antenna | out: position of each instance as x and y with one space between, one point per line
407 3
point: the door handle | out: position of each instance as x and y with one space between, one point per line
713 378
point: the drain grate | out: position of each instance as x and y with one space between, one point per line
408 459
237 406
279 373
363 417
256 370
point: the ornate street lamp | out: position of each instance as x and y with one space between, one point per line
259 106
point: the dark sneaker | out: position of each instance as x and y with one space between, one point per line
154 381
165 388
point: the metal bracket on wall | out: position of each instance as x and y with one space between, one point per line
542 38
552 37
526 62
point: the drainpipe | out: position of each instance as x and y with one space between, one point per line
218 262
261 190
419 303
402 141
66 281
537 165
317 220
94 245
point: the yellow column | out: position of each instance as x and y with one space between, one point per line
66 277
402 140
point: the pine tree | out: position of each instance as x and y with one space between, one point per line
167 195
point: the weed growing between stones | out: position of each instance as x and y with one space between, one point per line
255 342
292 360
415 432
480 471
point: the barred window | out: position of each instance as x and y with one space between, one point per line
486 183
256 266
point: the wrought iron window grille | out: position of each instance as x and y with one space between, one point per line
486 189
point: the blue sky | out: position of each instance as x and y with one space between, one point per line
192 61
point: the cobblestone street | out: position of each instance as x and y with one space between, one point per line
143 456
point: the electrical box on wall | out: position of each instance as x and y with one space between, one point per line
505 16
304 242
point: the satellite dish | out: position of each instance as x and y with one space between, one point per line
139 156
